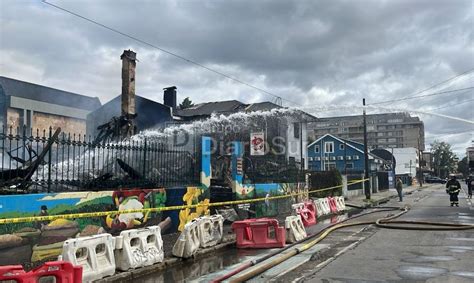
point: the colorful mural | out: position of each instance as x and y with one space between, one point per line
242 191
134 199
201 194
22 243
39 241
250 191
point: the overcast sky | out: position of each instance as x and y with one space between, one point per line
314 53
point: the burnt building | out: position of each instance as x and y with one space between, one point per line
40 107
142 112
284 131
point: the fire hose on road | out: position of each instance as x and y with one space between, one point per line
301 246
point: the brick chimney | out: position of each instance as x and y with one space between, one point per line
169 97
128 81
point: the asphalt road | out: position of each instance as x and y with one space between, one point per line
385 255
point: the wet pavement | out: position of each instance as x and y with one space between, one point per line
209 266
408 256
223 261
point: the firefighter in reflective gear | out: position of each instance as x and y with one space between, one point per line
453 188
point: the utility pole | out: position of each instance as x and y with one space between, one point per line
345 158
420 180
366 157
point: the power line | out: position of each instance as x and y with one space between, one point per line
168 52
453 105
443 82
419 96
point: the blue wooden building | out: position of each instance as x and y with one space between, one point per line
330 152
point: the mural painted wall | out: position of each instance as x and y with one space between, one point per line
242 191
251 191
200 194
40 241
22 243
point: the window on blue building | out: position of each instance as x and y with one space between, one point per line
341 146
329 147
316 149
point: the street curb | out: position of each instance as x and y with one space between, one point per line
229 240
130 275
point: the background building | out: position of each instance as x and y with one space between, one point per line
40 107
390 130
330 152
427 161
470 159
406 161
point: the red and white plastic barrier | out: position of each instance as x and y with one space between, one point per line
295 230
307 211
259 233
341 204
332 204
61 271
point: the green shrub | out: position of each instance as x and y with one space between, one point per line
325 179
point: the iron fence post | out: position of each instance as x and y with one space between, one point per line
49 161
144 158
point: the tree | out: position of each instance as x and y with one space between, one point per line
444 159
186 103
463 167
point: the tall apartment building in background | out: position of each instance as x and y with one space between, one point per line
388 130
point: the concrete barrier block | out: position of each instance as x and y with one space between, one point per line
138 248
94 253
188 242
295 230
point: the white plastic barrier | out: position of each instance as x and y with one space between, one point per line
188 242
211 230
294 229
94 253
319 208
340 203
325 205
138 248
297 207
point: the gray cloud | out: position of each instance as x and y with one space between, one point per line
325 52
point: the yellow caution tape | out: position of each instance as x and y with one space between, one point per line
159 209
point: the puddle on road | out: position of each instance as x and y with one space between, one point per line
347 280
419 272
193 269
429 259
462 239
467 274
460 249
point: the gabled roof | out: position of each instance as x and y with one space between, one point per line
262 106
347 142
209 108
12 87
